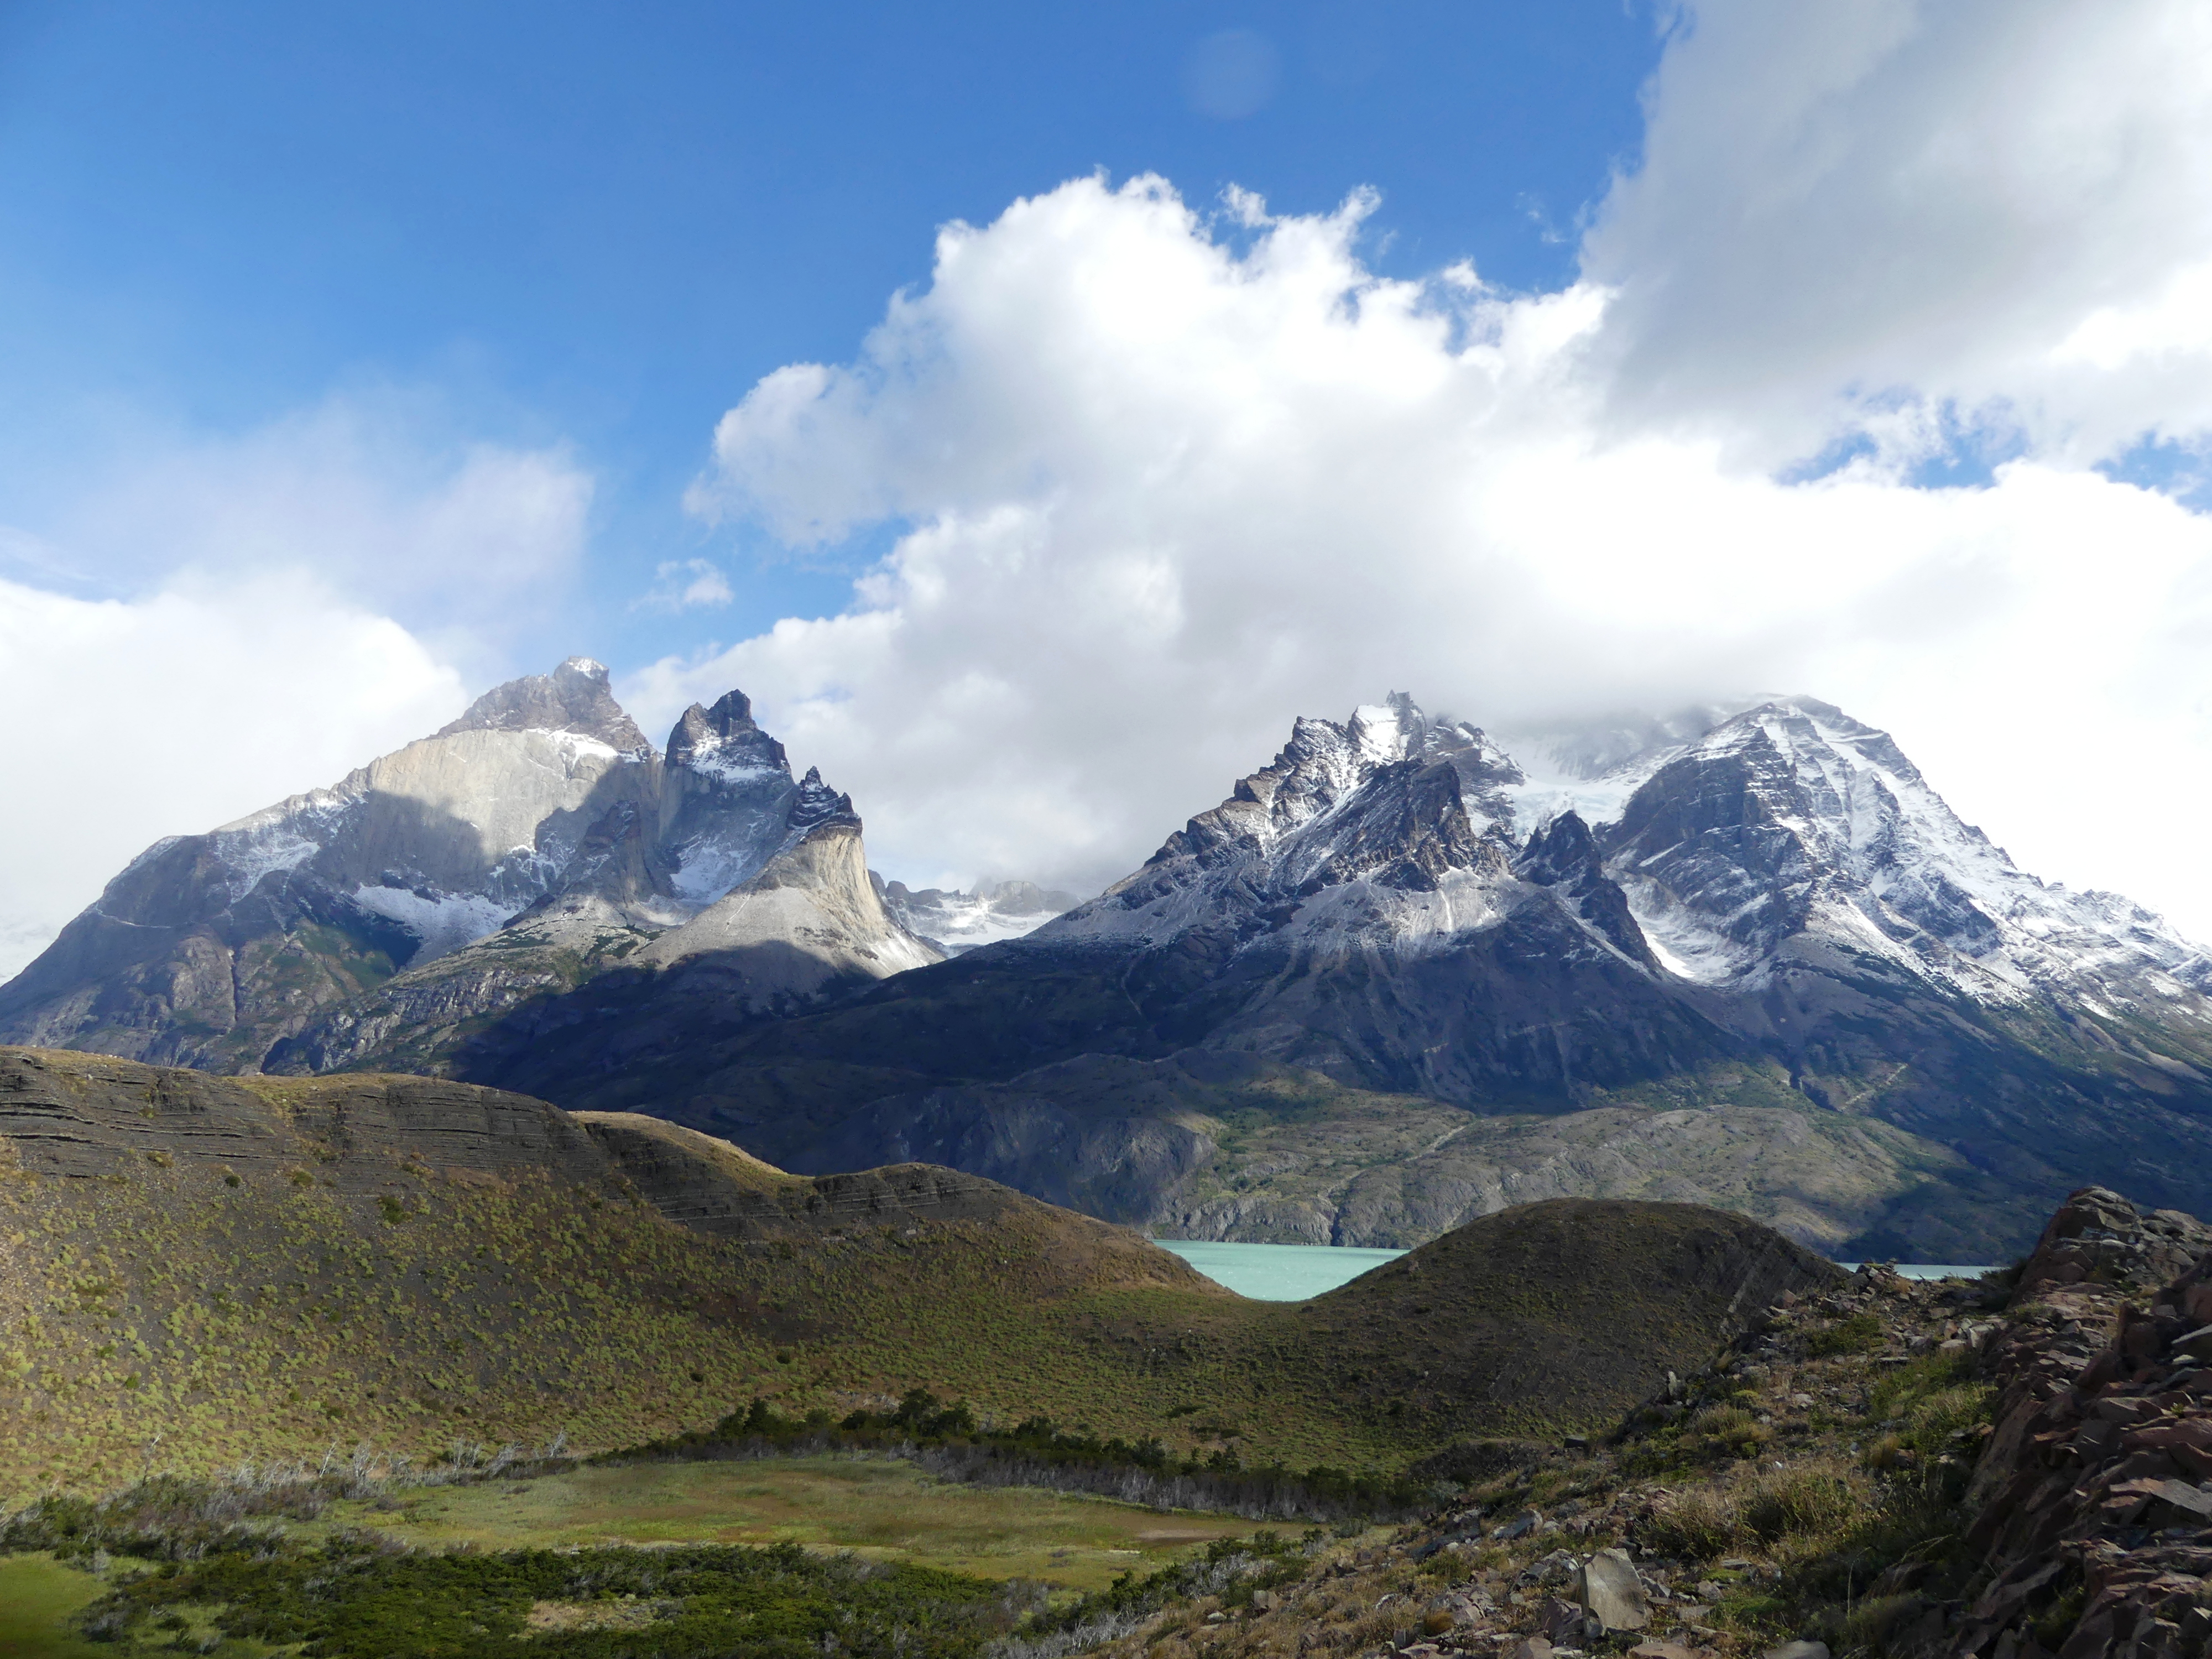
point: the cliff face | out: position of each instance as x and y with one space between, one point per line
2094 1493
541 828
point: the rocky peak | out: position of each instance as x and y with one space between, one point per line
544 802
723 743
574 697
819 804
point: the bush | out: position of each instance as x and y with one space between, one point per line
1802 1505
1873 1622
1725 1431
1856 1334
1692 1527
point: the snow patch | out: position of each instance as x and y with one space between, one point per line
248 856
443 921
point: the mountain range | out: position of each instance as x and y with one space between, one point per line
1408 973
532 843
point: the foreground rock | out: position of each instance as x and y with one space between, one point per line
2096 1520
1918 1470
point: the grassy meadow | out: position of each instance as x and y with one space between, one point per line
882 1509
39 1600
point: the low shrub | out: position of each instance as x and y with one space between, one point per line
357 1598
1801 1506
1854 1335
1727 1431
1692 1527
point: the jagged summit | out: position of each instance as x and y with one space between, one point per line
543 816
1739 844
574 697
723 741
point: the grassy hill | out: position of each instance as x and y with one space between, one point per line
195 1270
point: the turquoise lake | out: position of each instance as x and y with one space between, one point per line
1276 1273
1291 1273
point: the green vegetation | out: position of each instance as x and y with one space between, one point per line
882 1509
322 1285
843 1554
1038 1452
40 1599
354 1598
1854 1335
1829 1524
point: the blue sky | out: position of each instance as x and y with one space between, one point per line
1584 359
599 225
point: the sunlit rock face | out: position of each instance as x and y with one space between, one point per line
541 821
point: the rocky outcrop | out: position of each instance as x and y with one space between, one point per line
2095 1491
519 850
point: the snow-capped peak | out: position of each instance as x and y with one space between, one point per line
1744 841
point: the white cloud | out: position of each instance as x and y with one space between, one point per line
132 720
1995 204
1164 494
474 542
686 585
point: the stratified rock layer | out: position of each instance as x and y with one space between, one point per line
2095 1491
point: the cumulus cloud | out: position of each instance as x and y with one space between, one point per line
178 711
1986 206
1162 486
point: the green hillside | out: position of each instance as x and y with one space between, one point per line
195 1270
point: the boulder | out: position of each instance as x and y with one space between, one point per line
1797 1650
1607 1585
1564 1624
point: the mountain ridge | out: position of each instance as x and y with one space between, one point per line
1773 912
247 1266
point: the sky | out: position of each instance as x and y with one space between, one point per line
1035 412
